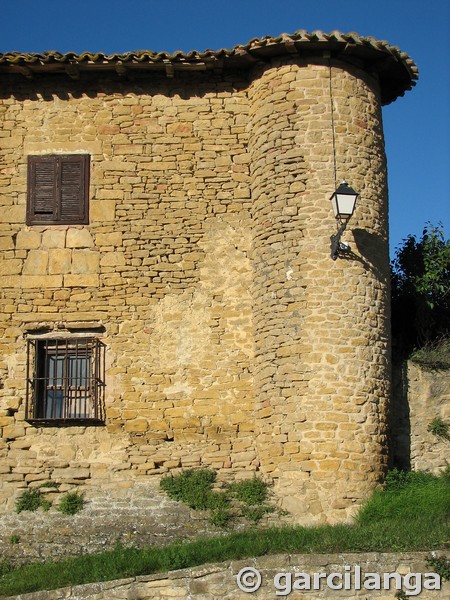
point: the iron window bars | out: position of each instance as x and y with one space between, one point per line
65 380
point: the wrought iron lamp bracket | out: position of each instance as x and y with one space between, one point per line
338 247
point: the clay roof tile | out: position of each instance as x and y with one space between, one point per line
396 70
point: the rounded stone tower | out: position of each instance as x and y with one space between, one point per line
322 355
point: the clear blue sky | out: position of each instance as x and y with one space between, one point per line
417 126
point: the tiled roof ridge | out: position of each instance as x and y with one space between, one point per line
299 36
255 48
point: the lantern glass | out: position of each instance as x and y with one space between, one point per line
343 201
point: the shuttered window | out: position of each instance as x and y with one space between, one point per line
58 189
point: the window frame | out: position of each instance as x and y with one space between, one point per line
65 380
55 190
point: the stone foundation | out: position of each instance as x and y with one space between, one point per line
132 515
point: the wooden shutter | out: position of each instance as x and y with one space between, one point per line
58 189
74 189
42 189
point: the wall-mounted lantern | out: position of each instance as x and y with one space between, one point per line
343 202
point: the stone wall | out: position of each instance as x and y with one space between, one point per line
162 266
233 340
420 396
210 582
132 515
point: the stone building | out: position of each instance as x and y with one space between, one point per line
168 299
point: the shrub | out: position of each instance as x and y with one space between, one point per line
220 517
441 566
439 428
397 479
31 500
250 491
421 289
71 503
445 474
194 488
254 514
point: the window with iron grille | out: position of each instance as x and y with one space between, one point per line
65 380
58 189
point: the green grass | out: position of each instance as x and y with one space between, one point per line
418 507
411 514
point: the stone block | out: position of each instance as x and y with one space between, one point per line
28 240
64 146
15 141
10 266
109 239
70 473
11 432
59 261
54 238
108 129
72 280
112 259
179 128
136 425
117 165
85 261
6 242
14 214
110 194
40 281
79 238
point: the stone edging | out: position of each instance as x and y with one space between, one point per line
219 580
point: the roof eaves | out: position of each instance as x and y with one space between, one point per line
398 73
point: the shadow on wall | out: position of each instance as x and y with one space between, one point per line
372 251
399 421
372 247
372 255
186 86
